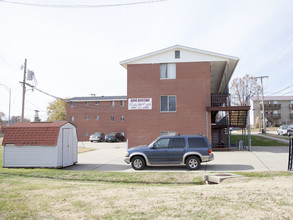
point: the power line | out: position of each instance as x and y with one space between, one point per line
81 5
288 92
276 57
281 90
34 87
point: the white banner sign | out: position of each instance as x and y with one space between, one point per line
139 103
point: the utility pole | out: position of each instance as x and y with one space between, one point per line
23 91
263 105
258 111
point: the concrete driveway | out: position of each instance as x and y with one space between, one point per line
109 157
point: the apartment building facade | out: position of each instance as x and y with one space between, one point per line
278 110
178 83
97 114
174 90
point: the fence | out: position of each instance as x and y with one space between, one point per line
290 154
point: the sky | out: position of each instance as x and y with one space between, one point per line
75 51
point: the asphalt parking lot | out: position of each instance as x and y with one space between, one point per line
109 157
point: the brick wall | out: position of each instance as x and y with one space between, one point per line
192 90
104 111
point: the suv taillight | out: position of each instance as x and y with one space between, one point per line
210 151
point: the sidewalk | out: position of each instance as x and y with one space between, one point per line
109 157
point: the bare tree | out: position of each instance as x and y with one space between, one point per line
243 88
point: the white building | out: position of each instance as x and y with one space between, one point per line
278 110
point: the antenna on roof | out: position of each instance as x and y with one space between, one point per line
93 94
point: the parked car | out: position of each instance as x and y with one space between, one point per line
114 137
282 130
290 130
188 150
98 136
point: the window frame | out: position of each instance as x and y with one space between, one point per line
177 54
168 103
112 118
167 73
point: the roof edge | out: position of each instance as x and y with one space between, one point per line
125 62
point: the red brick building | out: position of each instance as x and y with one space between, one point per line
97 114
173 90
184 85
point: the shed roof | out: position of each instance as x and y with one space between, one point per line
33 133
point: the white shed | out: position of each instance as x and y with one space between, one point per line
40 144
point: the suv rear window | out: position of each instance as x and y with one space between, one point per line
197 143
177 143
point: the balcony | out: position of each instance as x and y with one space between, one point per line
271 106
219 99
274 116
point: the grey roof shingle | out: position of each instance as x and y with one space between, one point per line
96 98
274 98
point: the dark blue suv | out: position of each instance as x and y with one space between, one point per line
188 150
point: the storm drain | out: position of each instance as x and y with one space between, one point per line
218 177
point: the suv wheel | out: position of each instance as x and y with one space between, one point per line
138 163
193 163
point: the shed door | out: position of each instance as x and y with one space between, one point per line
67 151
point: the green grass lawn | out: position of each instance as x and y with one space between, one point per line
257 141
65 194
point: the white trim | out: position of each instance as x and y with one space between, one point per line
177 47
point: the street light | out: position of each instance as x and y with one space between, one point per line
9 90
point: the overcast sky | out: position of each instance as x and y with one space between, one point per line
76 51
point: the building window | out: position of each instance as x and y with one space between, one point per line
86 134
168 103
168 133
86 103
122 103
122 118
72 104
72 118
177 54
86 117
97 117
97 102
112 118
168 71
112 103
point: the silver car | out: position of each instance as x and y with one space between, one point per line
282 130
98 137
